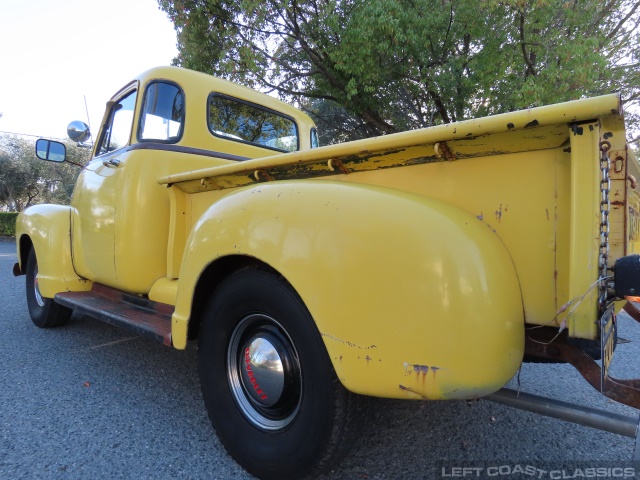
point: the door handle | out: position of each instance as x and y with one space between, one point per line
112 162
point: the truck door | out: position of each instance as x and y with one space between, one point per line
96 197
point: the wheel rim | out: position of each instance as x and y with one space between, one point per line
263 371
36 289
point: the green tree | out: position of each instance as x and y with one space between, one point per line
25 180
394 65
19 174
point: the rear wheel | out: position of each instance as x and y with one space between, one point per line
44 312
268 383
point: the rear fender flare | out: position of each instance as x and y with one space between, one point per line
413 297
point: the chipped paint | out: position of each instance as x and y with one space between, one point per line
410 368
409 148
411 390
473 146
421 369
577 130
345 342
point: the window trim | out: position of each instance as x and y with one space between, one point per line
125 92
140 116
257 107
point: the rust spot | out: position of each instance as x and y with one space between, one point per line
499 214
617 203
547 211
421 369
591 128
443 151
532 123
510 126
607 135
262 175
335 164
367 358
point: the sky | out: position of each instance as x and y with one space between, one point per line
54 53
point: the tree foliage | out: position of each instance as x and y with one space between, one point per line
392 65
25 180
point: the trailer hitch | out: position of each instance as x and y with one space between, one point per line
547 344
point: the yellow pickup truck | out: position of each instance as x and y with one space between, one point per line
421 265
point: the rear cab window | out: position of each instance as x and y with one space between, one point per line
249 123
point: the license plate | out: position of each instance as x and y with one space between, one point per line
607 342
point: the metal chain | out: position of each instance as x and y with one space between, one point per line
603 257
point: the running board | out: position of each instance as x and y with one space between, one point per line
135 313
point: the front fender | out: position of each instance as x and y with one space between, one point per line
413 297
47 228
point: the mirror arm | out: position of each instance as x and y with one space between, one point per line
74 163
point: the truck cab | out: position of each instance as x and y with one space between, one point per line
120 215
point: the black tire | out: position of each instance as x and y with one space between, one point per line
44 312
290 421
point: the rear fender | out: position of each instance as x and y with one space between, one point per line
413 297
47 229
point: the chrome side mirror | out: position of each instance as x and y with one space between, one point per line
78 131
51 151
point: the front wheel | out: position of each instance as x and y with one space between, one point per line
268 383
44 312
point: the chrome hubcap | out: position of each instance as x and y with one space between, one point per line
263 371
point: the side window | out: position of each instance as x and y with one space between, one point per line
162 115
315 141
249 123
118 129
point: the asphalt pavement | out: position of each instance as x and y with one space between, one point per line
90 401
